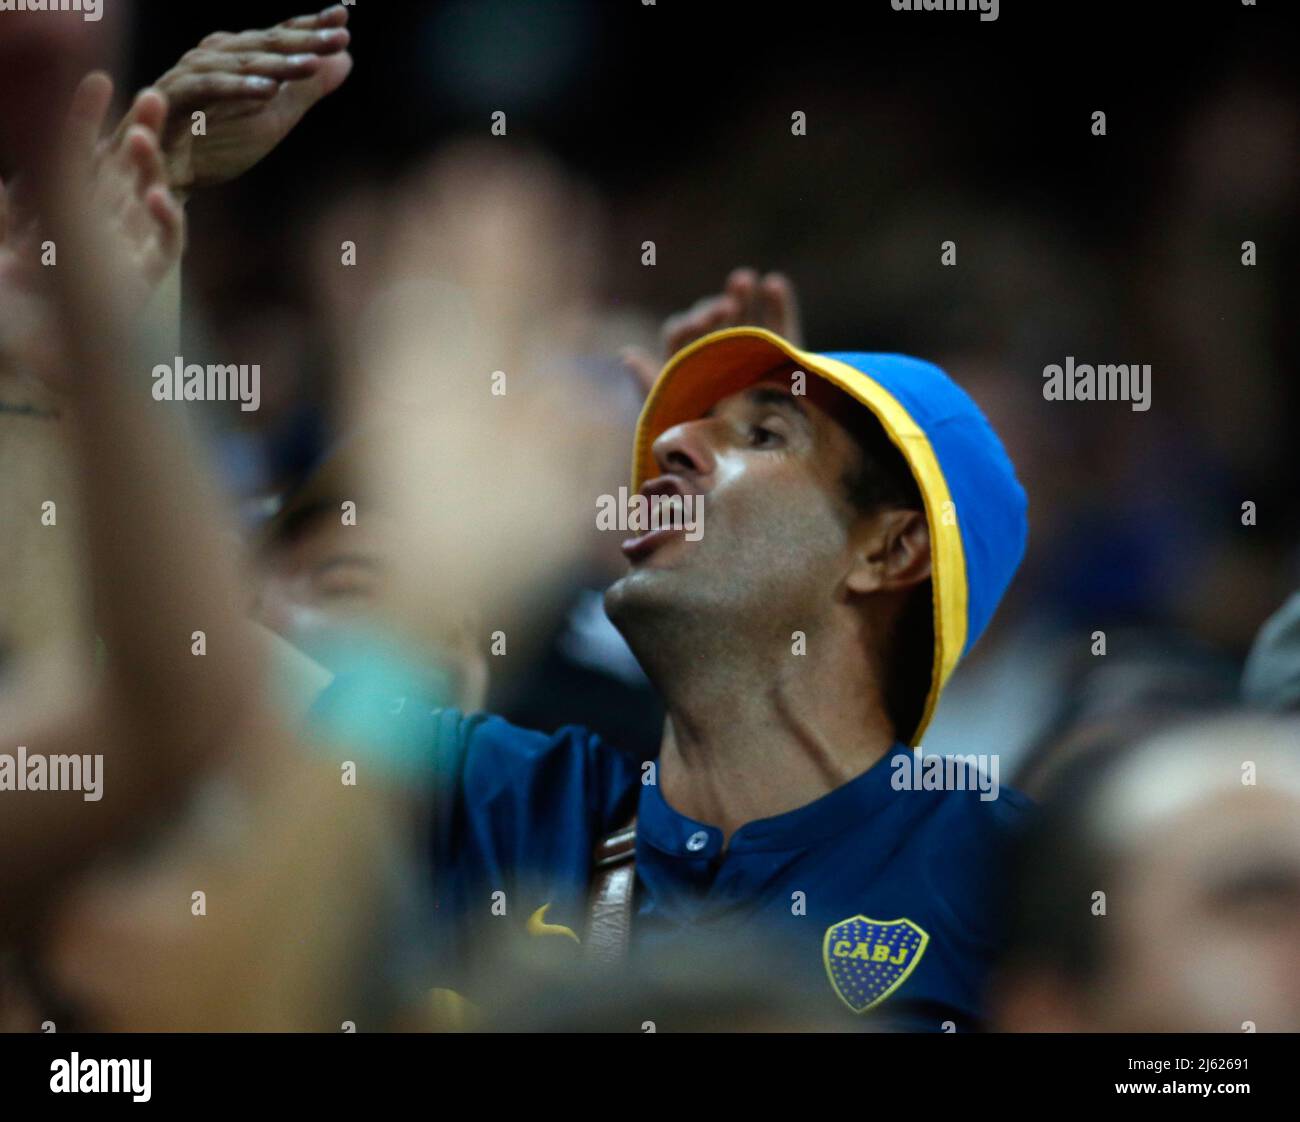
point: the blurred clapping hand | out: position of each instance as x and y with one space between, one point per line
105 201
467 369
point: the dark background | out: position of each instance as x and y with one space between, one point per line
657 102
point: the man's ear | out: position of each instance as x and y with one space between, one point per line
891 552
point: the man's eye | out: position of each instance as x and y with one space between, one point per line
761 437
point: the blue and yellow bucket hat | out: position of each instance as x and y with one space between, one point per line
975 506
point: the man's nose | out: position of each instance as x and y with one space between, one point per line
685 450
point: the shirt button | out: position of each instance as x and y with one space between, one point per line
697 841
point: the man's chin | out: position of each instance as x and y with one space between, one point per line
643 587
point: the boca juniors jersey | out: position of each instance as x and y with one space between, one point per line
873 899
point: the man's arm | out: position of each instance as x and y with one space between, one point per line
161 564
161 567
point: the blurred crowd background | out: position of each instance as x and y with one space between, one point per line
671 124
921 129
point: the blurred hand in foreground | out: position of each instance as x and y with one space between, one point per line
468 374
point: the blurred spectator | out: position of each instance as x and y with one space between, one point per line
1159 888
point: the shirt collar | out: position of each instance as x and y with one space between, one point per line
850 805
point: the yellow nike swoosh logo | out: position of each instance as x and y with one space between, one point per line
537 925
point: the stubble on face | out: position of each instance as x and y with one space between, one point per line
773 548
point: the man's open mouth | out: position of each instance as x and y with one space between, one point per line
666 497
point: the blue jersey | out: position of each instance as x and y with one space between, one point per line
869 898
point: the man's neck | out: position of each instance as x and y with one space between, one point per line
749 737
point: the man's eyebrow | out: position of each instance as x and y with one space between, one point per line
774 398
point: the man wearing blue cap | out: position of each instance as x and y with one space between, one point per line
863 521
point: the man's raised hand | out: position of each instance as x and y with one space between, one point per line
130 191
745 300
106 203
252 88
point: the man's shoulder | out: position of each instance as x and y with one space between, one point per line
964 848
1002 811
482 754
499 753
966 796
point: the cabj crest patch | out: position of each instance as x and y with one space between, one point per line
868 959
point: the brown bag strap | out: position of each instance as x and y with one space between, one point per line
609 906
